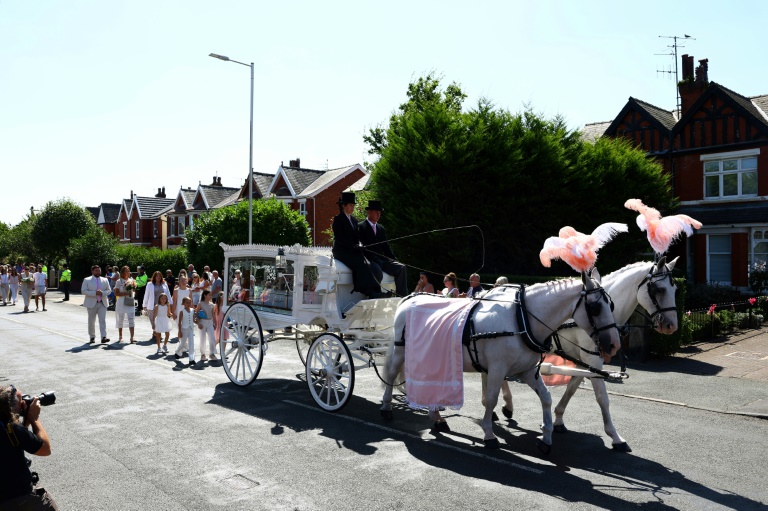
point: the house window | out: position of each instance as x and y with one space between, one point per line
733 177
719 258
154 228
172 222
760 247
136 233
125 230
181 226
303 208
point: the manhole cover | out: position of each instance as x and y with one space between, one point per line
240 482
747 355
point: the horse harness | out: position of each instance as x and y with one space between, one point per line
470 336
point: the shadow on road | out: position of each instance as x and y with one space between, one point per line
511 465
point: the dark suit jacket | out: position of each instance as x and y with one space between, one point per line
378 240
345 236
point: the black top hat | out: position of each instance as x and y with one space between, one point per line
374 205
347 198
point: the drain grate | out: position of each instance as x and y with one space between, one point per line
240 482
748 355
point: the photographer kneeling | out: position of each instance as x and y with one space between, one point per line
17 482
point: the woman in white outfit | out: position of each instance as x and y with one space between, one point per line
5 284
14 280
204 320
180 292
125 304
27 285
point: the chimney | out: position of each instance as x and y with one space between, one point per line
214 181
160 193
296 164
693 85
131 194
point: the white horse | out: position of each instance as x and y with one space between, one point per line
647 284
506 354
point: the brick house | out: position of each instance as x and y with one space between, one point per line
107 217
314 193
143 220
715 150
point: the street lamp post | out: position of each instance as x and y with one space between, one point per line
250 157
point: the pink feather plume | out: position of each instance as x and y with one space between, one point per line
662 231
578 250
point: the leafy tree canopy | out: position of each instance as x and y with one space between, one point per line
518 177
273 223
96 246
16 244
59 223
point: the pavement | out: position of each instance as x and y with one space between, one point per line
728 375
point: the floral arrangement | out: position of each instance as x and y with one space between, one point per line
27 280
130 285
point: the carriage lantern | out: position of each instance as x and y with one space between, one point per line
280 259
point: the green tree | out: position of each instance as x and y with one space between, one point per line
96 246
273 223
59 223
518 177
17 244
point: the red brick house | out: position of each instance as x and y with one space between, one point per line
715 151
143 220
107 217
314 193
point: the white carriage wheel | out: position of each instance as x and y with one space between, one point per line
330 372
243 353
304 340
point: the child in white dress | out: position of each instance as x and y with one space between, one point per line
186 321
162 322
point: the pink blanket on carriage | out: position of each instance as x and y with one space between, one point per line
433 359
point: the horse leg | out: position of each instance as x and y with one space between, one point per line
537 384
393 367
601 394
493 382
570 390
506 393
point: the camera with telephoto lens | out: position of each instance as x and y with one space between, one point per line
45 399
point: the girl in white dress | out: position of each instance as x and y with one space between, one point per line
162 322
186 322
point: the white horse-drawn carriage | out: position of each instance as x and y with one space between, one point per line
305 295
302 294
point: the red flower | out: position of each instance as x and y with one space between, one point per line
712 309
752 301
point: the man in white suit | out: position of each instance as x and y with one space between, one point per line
96 288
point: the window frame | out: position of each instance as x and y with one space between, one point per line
721 159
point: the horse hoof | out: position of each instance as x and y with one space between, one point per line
622 447
507 413
441 427
544 448
494 417
560 428
387 414
493 443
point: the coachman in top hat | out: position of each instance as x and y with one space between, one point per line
347 248
377 250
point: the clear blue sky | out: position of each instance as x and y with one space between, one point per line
98 98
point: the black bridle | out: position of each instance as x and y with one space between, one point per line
594 308
651 282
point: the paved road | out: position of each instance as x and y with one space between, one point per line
131 430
